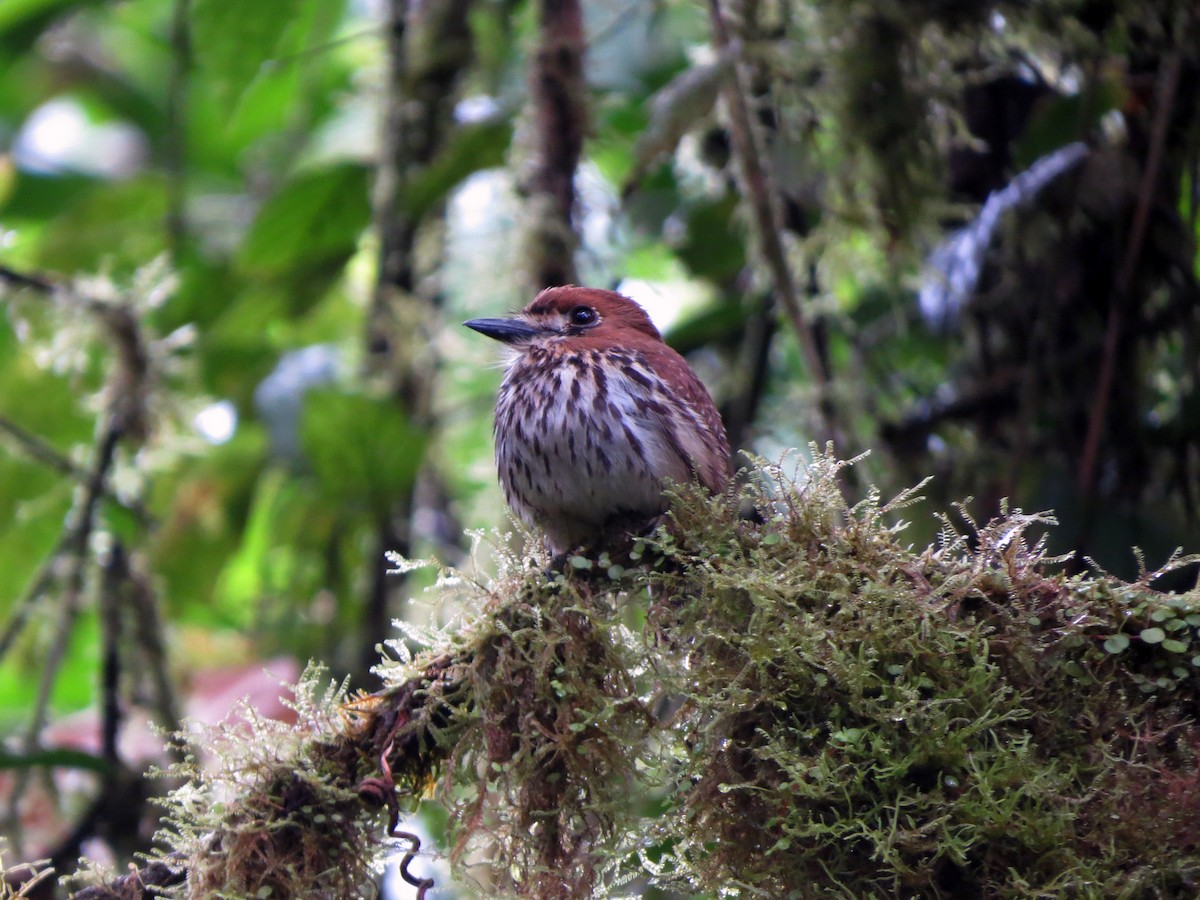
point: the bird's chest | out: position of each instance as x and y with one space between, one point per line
580 434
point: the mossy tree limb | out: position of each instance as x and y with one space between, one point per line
800 701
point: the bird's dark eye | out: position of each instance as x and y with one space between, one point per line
582 315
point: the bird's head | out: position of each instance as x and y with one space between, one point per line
574 316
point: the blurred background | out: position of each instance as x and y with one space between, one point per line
237 241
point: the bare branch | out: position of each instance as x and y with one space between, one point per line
1147 193
768 223
558 95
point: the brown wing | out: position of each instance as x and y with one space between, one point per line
716 468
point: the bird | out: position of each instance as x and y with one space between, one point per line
594 414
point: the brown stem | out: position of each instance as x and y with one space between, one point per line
145 612
429 46
112 584
768 223
75 546
754 361
1124 281
25 280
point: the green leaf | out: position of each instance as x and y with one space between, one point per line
360 448
1117 643
23 18
232 39
313 221
471 148
1057 121
849 736
1153 635
241 582
116 226
718 324
712 247
1173 646
35 195
59 758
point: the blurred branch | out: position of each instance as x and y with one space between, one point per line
559 97
1147 193
142 605
175 138
114 575
25 604
376 618
75 547
41 451
125 417
16 279
769 226
121 801
429 46
754 363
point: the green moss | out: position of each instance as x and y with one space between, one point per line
270 813
794 704
850 717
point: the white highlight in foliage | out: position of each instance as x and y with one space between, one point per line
952 271
217 422
58 136
662 300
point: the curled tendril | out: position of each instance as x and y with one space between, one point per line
382 791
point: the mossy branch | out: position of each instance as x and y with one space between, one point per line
797 699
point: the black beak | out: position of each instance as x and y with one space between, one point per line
507 331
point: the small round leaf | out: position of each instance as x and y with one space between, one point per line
1116 643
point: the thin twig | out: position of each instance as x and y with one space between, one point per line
148 633
755 358
768 223
1124 281
75 547
25 604
42 451
175 140
112 584
25 280
374 31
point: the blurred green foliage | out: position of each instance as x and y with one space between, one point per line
211 167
